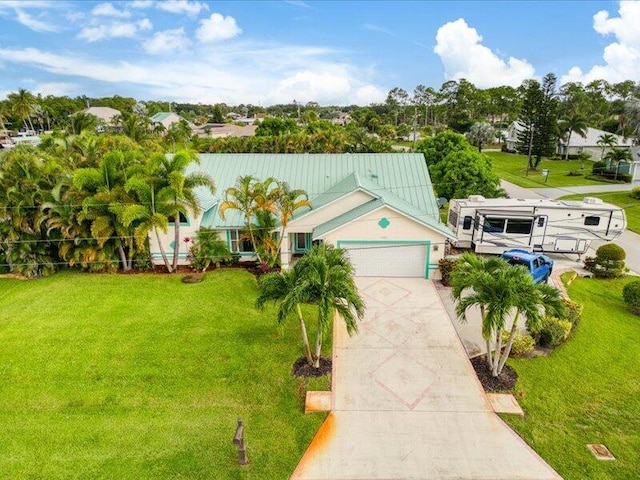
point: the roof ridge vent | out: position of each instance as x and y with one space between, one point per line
593 201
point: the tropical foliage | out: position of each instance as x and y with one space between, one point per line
323 278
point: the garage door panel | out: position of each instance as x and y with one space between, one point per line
388 260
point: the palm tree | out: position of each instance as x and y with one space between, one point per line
325 280
472 272
575 123
183 200
248 196
616 156
23 104
287 202
607 140
480 133
81 122
632 110
282 288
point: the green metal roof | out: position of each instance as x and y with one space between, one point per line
400 180
159 117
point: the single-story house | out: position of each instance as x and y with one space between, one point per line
220 130
105 115
166 119
379 207
576 145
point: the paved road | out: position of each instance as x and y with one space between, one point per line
628 240
406 404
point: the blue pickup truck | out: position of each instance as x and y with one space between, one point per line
539 266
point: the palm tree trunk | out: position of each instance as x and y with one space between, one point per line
496 358
566 152
162 252
252 238
316 363
123 258
176 240
305 337
507 349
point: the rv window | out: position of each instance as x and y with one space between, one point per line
541 222
494 225
592 221
453 218
466 224
519 226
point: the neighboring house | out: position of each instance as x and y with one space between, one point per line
635 165
589 144
166 119
218 130
105 115
576 145
379 207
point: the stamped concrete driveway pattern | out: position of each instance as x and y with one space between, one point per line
406 403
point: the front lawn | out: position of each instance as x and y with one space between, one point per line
622 199
512 168
587 391
142 376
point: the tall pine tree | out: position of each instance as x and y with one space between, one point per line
538 120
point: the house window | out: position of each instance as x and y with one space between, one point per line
592 221
466 223
302 243
239 243
519 226
183 219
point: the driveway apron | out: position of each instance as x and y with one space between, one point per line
406 403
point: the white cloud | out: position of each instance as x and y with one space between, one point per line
114 30
141 4
165 42
621 57
108 10
56 88
238 73
463 56
298 3
34 24
217 27
187 7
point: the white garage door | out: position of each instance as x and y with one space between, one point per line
388 260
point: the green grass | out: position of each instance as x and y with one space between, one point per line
512 168
622 199
142 376
588 390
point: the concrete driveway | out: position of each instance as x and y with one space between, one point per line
406 403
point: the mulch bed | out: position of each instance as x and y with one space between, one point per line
506 381
301 368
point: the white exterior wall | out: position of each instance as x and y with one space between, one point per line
186 231
400 228
308 222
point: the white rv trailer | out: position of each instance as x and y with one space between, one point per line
493 225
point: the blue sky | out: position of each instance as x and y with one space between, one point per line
332 52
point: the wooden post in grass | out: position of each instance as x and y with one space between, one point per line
238 439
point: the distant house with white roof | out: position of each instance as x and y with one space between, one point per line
105 115
576 144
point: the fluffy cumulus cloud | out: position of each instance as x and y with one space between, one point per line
187 7
141 4
621 57
168 41
217 27
246 72
94 33
108 10
463 55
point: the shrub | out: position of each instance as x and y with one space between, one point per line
573 311
608 263
598 167
522 344
573 173
631 296
554 332
446 266
207 248
635 193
